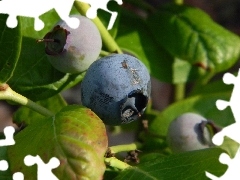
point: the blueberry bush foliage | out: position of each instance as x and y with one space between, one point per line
180 45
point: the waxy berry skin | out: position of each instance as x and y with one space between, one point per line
190 131
117 88
73 50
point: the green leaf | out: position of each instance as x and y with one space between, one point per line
213 87
133 37
75 135
110 174
34 76
54 104
190 34
189 165
10 45
183 71
230 146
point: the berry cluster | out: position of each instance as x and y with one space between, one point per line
116 87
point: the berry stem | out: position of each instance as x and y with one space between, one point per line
6 93
179 93
104 53
125 147
114 162
107 39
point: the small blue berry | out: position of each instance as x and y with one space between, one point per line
116 88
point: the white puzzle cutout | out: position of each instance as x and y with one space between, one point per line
36 8
232 131
232 172
3 165
95 5
8 132
44 170
18 176
8 141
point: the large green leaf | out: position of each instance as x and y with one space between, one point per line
191 35
10 45
75 135
135 38
189 165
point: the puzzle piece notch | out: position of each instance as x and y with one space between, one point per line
18 176
221 104
232 130
229 78
3 165
8 132
95 5
44 170
232 172
34 9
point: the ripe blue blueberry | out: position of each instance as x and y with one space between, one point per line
189 132
116 88
73 50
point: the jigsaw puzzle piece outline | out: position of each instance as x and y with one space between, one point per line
9 133
228 131
232 172
95 5
18 176
229 78
3 165
43 170
34 9
63 9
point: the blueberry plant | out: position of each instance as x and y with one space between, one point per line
175 43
